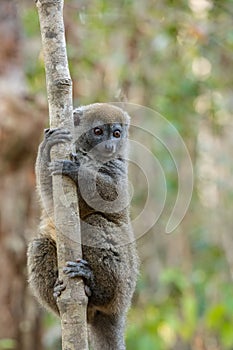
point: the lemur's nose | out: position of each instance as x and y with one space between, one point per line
110 147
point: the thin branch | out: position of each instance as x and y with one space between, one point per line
72 302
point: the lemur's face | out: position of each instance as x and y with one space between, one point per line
106 140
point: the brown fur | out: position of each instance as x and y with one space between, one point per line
106 236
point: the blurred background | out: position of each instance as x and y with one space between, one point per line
175 57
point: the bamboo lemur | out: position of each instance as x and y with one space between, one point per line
109 265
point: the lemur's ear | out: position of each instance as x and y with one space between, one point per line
77 113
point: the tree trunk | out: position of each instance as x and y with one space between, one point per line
73 302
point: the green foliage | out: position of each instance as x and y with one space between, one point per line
7 344
34 67
183 308
219 317
35 75
31 22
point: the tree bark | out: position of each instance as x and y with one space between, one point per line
73 301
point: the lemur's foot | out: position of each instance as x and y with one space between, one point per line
80 268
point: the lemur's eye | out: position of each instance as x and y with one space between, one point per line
98 131
117 134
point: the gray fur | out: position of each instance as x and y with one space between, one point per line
110 263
